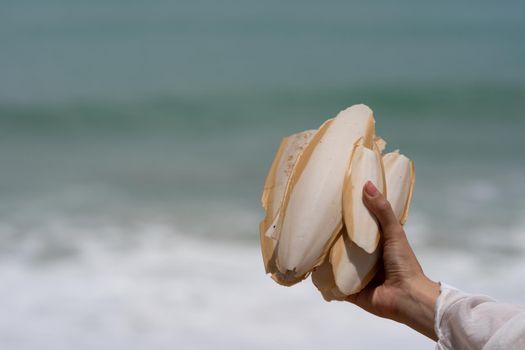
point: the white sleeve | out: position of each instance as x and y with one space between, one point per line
465 321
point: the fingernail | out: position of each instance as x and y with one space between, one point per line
370 189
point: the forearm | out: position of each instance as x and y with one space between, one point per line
416 308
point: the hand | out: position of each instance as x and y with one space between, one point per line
400 291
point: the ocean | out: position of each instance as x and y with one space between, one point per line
135 138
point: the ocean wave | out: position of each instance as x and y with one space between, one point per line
170 290
128 286
228 107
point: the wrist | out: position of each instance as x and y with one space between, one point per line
417 306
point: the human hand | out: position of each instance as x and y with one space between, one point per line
400 290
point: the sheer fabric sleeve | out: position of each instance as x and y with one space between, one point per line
465 321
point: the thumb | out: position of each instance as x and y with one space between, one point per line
382 210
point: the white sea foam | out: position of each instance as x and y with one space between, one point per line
166 290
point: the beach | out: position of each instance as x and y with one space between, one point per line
135 139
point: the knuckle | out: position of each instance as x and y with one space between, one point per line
383 205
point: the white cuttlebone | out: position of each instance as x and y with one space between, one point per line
289 151
312 210
353 268
273 191
274 229
365 165
323 279
380 143
400 178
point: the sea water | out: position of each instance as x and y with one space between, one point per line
135 138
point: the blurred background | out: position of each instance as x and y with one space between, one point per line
135 138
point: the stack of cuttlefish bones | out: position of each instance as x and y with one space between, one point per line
316 222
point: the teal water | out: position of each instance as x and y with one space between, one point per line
135 138
62 50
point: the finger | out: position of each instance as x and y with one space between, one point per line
381 208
